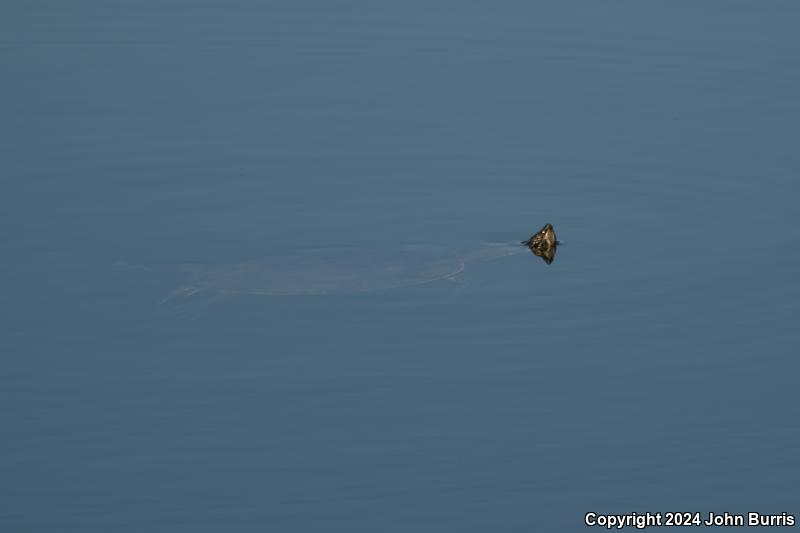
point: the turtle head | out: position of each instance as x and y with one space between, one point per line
543 239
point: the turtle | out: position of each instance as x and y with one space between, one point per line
335 271
543 243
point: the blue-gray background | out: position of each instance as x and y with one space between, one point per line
652 367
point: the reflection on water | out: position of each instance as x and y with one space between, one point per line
547 253
506 395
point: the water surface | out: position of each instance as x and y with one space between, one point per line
651 367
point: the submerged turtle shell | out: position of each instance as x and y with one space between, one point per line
325 272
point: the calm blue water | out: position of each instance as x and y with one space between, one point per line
652 367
